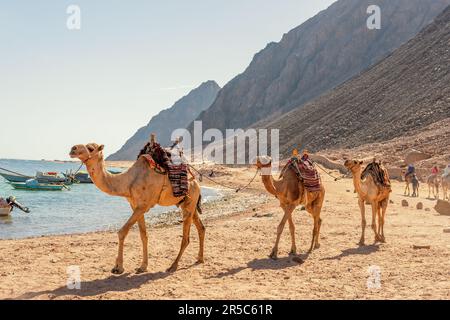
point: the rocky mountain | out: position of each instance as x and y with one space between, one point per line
398 97
178 116
315 57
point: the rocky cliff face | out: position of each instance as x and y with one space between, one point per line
322 53
178 116
398 97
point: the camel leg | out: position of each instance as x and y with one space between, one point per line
187 221
374 223
123 232
287 213
292 231
144 239
362 208
384 205
201 235
379 220
315 232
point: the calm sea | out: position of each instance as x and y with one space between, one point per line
82 209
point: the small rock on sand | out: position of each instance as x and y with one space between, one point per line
427 209
443 207
447 230
405 203
391 202
419 206
417 247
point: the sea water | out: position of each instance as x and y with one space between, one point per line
82 209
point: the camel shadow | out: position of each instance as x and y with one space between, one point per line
266 264
360 250
122 283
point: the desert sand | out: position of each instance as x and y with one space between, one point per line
241 230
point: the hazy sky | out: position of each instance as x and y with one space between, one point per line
130 60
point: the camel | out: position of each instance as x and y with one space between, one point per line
446 186
369 192
433 182
412 179
416 186
291 192
144 188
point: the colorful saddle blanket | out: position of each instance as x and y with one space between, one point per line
307 173
160 160
379 174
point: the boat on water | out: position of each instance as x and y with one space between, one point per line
41 177
5 211
7 206
35 185
83 177
52 177
14 177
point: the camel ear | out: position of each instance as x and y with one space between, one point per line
101 147
361 162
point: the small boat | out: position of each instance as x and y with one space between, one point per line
42 177
5 211
34 184
7 206
83 177
51 177
14 177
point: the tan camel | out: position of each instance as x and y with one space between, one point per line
369 192
291 193
433 182
446 186
411 179
144 188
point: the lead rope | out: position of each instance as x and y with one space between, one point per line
224 185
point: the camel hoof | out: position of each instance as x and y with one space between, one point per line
273 256
141 270
361 243
317 246
117 270
293 253
172 269
200 261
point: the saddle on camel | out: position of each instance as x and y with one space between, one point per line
160 159
305 170
379 174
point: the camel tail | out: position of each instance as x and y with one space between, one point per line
199 205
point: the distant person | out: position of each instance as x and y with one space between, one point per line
446 171
435 170
411 171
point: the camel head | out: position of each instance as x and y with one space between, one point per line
263 162
86 152
353 165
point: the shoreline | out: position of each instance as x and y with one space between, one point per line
240 232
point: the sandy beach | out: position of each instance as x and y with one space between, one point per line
241 230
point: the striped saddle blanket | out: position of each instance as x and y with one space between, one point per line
178 174
379 174
307 173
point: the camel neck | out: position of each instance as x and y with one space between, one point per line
357 182
269 183
111 184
